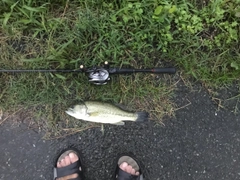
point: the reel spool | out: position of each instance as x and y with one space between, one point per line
98 75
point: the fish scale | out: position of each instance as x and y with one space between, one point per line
106 108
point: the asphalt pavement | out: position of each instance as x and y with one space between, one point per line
199 143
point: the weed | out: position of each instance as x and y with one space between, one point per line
201 39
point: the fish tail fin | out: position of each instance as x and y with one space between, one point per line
142 116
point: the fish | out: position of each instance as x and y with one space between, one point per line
106 113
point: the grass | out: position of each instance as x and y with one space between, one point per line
201 39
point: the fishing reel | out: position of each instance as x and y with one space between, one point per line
98 75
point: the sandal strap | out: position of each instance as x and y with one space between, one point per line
122 175
77 178
68 170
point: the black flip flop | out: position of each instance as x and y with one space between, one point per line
122 175
75 168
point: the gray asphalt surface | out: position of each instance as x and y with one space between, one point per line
200 143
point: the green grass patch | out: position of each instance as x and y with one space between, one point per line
201 39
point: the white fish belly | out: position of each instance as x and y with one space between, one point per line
109 118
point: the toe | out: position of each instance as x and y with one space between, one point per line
123 166
63 164
73 157
133 172
129 169
67 160
137 173
59 164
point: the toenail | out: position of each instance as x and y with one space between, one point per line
133 172
124 164
71 155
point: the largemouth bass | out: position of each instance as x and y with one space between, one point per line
101 112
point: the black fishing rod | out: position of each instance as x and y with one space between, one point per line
96 75
39 70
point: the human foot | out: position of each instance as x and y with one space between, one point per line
128 169
68 166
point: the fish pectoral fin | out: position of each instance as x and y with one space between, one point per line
93 114
120 123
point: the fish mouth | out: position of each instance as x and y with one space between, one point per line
79 110
70 111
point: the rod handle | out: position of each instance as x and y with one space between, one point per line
171 70
122 70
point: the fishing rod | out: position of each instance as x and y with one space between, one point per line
96 75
